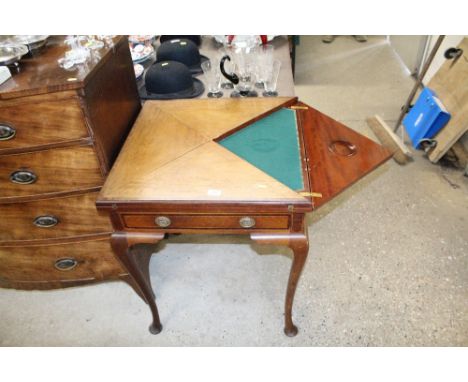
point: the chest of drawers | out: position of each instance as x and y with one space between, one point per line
60 132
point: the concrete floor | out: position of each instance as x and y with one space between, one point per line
388 264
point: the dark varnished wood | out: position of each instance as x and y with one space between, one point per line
41 74
137 265
216 207
69 127
111 103
299 244
42 120
136 259
35 263
331 172
77 216
50 284
131 282
187 221
58 171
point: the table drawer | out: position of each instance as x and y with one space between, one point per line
89 260
185 221
52 218
48 171
29 124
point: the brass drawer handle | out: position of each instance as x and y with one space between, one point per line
7 132
46 221
247 222
23 177
65 264
162 221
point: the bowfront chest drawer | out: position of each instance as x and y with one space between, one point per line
53 171
52 218
73 261
41 121
60 132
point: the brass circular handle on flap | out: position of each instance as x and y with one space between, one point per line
247 222
23 177
46 221
343 148
7 132
65 264
162 221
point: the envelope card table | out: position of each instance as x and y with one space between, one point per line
228 166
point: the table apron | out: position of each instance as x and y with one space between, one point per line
241 223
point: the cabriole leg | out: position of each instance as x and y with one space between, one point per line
299 243
300 248
137 268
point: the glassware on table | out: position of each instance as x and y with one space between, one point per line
264 61
212 79
78 54
93 43
272 79
243 77
245 87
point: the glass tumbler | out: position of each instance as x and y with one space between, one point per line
212 79
265 59
271 79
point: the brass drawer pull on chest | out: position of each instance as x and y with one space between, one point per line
23 177
6 132
162 221
66 264
247 222
46 221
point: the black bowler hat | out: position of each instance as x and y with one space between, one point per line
181 50
194 38
170 80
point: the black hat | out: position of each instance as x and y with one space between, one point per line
194 38
170 80
181 50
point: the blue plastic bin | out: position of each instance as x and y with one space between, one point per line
426 117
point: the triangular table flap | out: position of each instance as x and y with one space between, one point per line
272 145
207 173
156 139
215 117
338 156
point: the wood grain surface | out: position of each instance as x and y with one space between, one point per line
111 103
42 122
77 216
186 170
58 171
215 117
194 221
208 173
41 73
331 169
170 156
70 125
95 261
157 138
